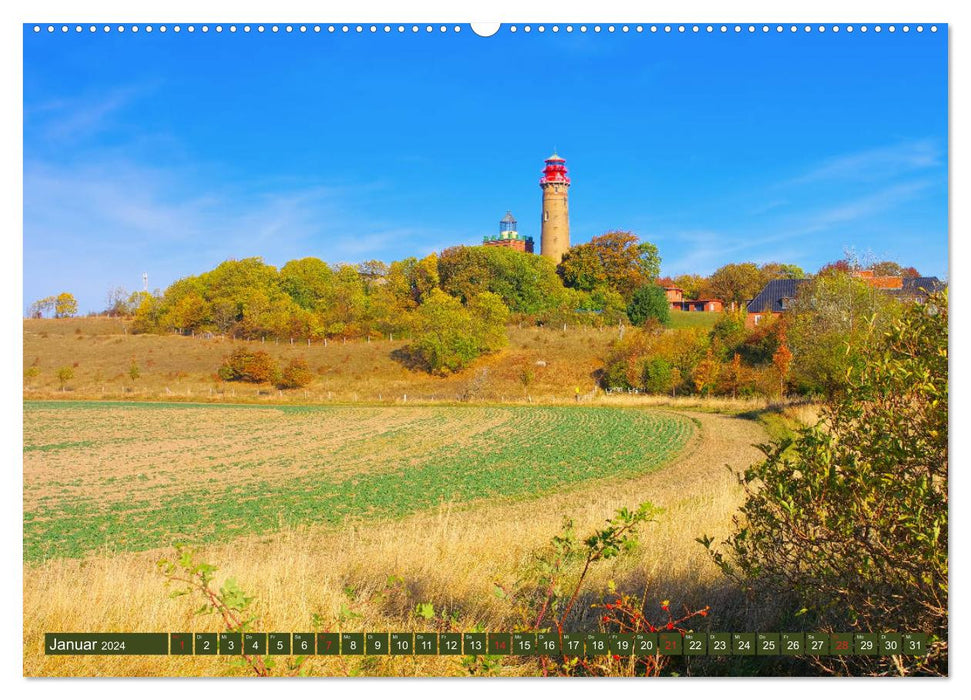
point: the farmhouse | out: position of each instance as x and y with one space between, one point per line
677 301
777 295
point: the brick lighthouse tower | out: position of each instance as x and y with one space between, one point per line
555 239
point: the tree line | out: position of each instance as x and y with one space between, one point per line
827 331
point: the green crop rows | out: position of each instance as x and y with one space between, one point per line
523 452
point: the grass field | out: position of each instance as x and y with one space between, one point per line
328 577
140 476
395 488
693 319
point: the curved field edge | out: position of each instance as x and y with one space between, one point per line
521 454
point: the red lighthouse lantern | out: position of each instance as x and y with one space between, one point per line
555 171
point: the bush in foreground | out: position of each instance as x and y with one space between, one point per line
850 519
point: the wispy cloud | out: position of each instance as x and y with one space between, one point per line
84 116
97 225
869 205
703 250
875 164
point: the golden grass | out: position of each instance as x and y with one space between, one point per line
449 556
176 367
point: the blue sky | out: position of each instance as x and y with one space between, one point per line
169 153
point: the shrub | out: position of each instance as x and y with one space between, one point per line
245 365
657 375
296 375
850 519
64 375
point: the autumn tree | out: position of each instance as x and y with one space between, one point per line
842 266
889 268
736 283
148 311
623 365
706 373
65 305
117 302
617 260
245 365
64 375
781 271
693 286
782 359
295 375
735 373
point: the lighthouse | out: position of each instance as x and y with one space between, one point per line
555 240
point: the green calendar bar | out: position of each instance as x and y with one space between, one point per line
570 644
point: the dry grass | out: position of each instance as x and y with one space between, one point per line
179 367
450 557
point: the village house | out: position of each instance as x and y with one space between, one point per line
777 296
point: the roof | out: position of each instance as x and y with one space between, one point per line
918 287
927 284
508 218
772 295
556 158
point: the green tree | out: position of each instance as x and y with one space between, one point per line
309 282
489 316
656 375
450 336
830 323
526 283
730 332
848 522
649 302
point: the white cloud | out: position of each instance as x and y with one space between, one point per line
875 164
